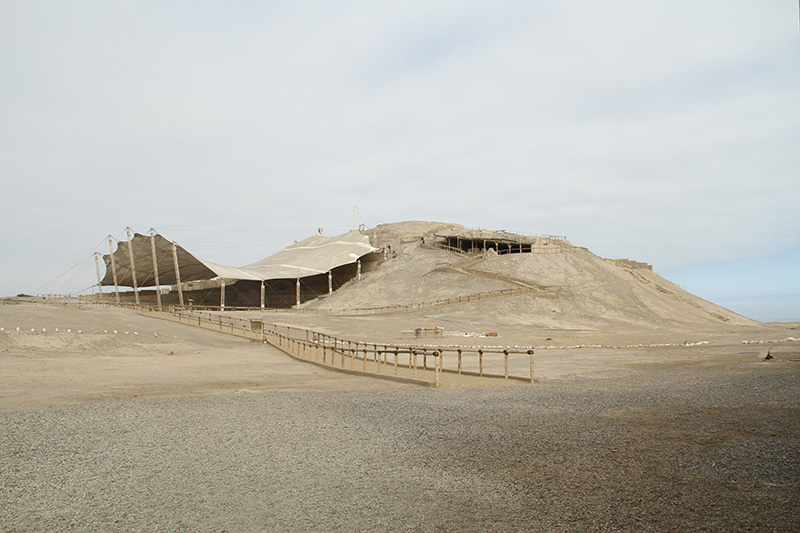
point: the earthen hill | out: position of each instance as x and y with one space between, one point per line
540 281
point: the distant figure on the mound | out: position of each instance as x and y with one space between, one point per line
769 355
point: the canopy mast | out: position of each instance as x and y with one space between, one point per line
99 279
133 266
177 273
263 294
155 266
113 267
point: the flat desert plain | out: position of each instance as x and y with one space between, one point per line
112 421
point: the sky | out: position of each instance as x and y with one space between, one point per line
664 132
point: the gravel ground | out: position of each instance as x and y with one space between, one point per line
660 450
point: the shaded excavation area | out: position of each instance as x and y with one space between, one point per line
500 242
161 273
272 293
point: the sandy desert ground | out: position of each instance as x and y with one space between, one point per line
116 422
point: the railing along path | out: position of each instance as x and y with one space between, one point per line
410 363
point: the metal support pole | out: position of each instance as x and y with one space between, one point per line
263 294
113 267
133 266
297 295
155 266
99 280
177 273
330 282
221 294
358 269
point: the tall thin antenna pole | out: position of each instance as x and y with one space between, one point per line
354 217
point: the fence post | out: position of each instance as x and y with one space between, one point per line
436 360
414 352
395 361
459 361
505 353
530 352
480 363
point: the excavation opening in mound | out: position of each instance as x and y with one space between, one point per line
501 242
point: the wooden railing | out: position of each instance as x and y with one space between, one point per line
410 363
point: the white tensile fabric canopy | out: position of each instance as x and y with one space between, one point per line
312 256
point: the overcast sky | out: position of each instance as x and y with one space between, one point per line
665 132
